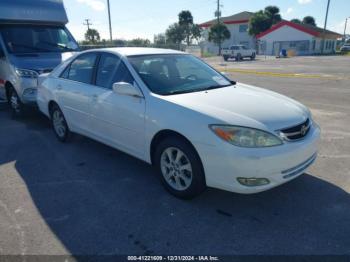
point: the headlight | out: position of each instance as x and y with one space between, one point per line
30 92
26 73
246 137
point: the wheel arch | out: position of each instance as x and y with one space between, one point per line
50 106
8 86
166 133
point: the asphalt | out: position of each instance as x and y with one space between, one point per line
84 198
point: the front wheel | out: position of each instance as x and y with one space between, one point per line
180 168
17 107
226 58
59 124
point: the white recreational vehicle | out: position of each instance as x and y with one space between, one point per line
33 40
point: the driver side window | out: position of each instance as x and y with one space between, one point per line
112 70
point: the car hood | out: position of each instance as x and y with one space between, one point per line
244 105
40 62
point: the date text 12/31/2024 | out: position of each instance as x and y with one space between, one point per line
173 258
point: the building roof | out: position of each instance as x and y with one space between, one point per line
239 18
309 29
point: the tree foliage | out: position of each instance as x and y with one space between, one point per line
92 36
139 42
219 33
272 13
175 34
296 21
185 29
159 39
309 20
264 19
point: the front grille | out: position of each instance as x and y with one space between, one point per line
297 132
43 71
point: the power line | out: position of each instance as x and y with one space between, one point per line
87 23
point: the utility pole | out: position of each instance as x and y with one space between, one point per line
110 23
87 23
346 23
325 26
218 14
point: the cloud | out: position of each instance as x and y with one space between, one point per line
304 2
289 11
338 27
97 5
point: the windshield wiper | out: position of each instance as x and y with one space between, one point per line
177 92
66 48
216 87
33 48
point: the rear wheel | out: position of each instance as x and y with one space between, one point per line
59 124
180 168
253 56
226 57
17 107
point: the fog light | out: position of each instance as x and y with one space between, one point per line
253 181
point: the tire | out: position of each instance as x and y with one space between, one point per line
59 124
182 177
253 56
238 57
226 58
15 103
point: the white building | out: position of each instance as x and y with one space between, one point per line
237 25
298 38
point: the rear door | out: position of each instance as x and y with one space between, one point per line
74 91
117 119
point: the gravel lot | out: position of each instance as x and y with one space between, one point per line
86 198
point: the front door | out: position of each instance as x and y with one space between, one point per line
117 119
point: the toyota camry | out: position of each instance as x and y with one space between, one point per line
197 127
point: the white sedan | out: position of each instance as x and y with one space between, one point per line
172 110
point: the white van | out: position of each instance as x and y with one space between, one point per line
33 40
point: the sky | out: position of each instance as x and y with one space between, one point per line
137 18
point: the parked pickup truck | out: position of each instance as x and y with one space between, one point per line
238 52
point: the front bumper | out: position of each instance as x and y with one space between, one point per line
224 163
27 90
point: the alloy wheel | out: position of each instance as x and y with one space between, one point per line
59 123
176 168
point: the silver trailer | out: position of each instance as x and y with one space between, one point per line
33 40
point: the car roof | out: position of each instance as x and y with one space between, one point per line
133 51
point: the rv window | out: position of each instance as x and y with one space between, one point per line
21 39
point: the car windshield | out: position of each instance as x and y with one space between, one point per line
176 74
20 39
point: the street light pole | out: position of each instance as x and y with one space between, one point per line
325 26
110 24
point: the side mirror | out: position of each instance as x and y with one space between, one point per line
126 89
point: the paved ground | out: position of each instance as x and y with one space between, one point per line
86 198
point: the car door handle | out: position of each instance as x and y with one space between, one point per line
94 97
59 87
